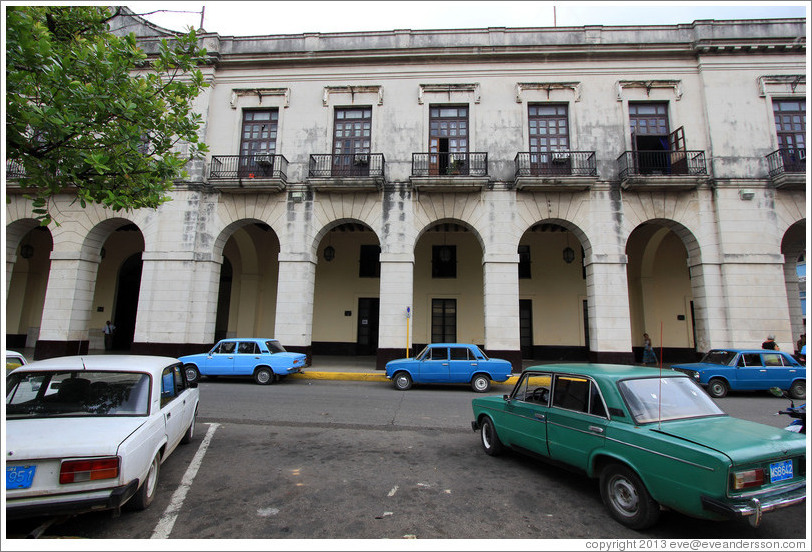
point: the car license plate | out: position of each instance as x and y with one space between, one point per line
19 477
780 471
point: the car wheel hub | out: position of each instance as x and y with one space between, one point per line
624 496
264 377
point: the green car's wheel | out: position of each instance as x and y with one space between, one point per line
717 388
402 381
481 383
490 440
144 495
798 390
626 497
263 376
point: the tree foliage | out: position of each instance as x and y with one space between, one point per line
89 114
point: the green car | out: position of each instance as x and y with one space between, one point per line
654 439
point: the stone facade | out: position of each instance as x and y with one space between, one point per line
699 253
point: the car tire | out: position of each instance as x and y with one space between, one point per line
626 498
190 431
717 388
490 440
798 390
192 373
480 383
402 381
264 376
146 493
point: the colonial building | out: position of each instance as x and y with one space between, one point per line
546 193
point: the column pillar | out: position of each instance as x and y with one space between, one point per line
177 304
610 338
501 292
796 314
396 295
68 300
294 302
710 307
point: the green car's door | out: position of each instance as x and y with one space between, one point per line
525 425
576 421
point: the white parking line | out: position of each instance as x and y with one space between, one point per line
167 521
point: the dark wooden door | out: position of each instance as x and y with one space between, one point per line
368 311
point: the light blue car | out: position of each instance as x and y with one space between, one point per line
263 359
449 363
723 370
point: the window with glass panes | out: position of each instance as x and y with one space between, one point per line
790 123
448 134
549 130
259 129
352 139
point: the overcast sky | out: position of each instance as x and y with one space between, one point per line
293 17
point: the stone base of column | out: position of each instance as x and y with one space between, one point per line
169 349
50 349
514 357
612 357
385 355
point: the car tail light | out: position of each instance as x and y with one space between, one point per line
78 471
748 478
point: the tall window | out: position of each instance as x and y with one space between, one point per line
370 264
790 125
443 320
650 137
549 132
352 140
258 144
448 135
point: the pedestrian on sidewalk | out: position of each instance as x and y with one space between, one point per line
770 344
109 330
648 351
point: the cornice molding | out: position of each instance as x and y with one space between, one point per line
676 85
236 93
352 91
448 89
548 87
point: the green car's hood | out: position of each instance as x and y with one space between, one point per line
740 440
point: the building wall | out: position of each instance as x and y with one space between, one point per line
692 256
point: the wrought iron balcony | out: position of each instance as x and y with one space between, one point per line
14 169
555 170
353 165
787 167
666 169
556 163
450 164
255 172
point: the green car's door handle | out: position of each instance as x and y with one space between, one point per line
596 429
540 416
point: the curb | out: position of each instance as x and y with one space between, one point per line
363 376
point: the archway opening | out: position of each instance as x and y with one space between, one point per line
27 283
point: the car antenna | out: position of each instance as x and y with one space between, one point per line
660 379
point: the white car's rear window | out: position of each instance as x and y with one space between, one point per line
70 393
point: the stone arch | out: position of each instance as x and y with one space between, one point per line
793 248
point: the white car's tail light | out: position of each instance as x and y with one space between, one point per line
748 478
78 471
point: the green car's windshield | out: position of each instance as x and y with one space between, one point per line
86 393
723 358
662 399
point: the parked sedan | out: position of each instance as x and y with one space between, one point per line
14 360
653 439
90 433
723 370
449 363
263 359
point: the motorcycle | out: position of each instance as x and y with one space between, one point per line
798 413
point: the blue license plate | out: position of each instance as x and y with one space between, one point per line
19 477
780 471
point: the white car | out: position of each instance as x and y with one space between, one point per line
14 360
89 433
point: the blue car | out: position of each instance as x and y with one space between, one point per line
449 363
723 370
263 359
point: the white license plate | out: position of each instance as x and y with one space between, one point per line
781 471
19 477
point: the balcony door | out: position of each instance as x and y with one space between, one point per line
258 143
352 140
790 125
549 139
443 320
650 137
448 135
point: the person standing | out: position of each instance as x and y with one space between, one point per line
770 344
648 351
109 330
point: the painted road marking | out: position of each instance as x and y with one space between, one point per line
167 521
